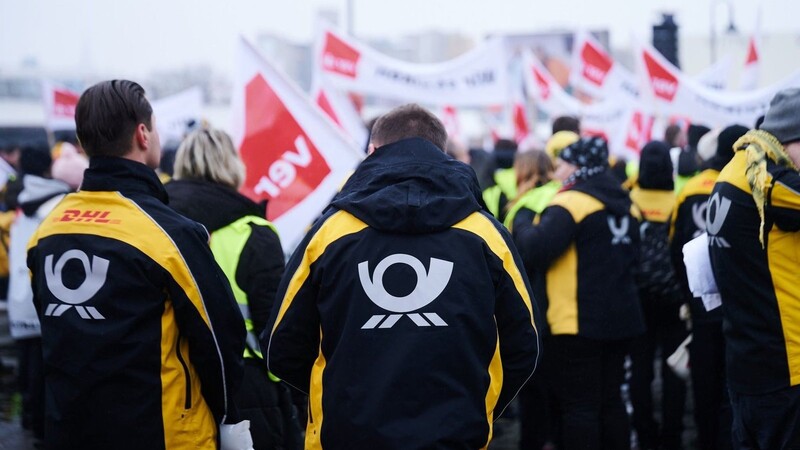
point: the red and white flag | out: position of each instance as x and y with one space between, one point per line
596 73
339 107
296 159
59 106
545 91
623 124
750 72
449 116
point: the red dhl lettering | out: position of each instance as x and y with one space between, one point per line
76 215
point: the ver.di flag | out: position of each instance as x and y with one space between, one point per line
625 125
295 157
340 109
59 106
476 78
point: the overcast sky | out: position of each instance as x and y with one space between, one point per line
135 37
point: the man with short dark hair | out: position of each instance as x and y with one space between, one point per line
142 338
753 225
404 313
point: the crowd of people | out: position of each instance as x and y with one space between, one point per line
437 286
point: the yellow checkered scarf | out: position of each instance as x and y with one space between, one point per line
759 145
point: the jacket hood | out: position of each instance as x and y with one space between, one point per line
213 205
410 186
607 189
37 190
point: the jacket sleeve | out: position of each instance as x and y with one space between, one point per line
677 239
517 318
541 244
524 216
209 318
784 198
292 336
259 274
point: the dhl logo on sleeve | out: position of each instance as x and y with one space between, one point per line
76 215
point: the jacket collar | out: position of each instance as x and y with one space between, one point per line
122 175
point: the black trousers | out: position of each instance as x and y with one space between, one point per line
767 421
586 376
31 384
712 407
665 332
538 413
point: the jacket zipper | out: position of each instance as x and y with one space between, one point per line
188 404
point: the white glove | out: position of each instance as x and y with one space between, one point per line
236 436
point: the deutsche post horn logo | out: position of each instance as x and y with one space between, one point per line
96 273
429 286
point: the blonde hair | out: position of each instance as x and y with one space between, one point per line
209 155
533 168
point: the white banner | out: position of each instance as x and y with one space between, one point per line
295 157
59 106
477 78
673 94
174 113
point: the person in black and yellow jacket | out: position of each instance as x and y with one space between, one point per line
654 196
405 312
142 339
587 242
754 233
208 171
712 412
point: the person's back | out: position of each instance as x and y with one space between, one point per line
208 171
753 224
142 339
586 241
405 311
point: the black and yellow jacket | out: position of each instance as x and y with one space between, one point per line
142 338
404 312
759 286
688 222
586 242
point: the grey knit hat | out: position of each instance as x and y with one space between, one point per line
783 117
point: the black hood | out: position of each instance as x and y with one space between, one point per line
213 205
606 188
410 186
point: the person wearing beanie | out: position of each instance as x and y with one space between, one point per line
660 299
558 142
707 352
586 243
754 233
